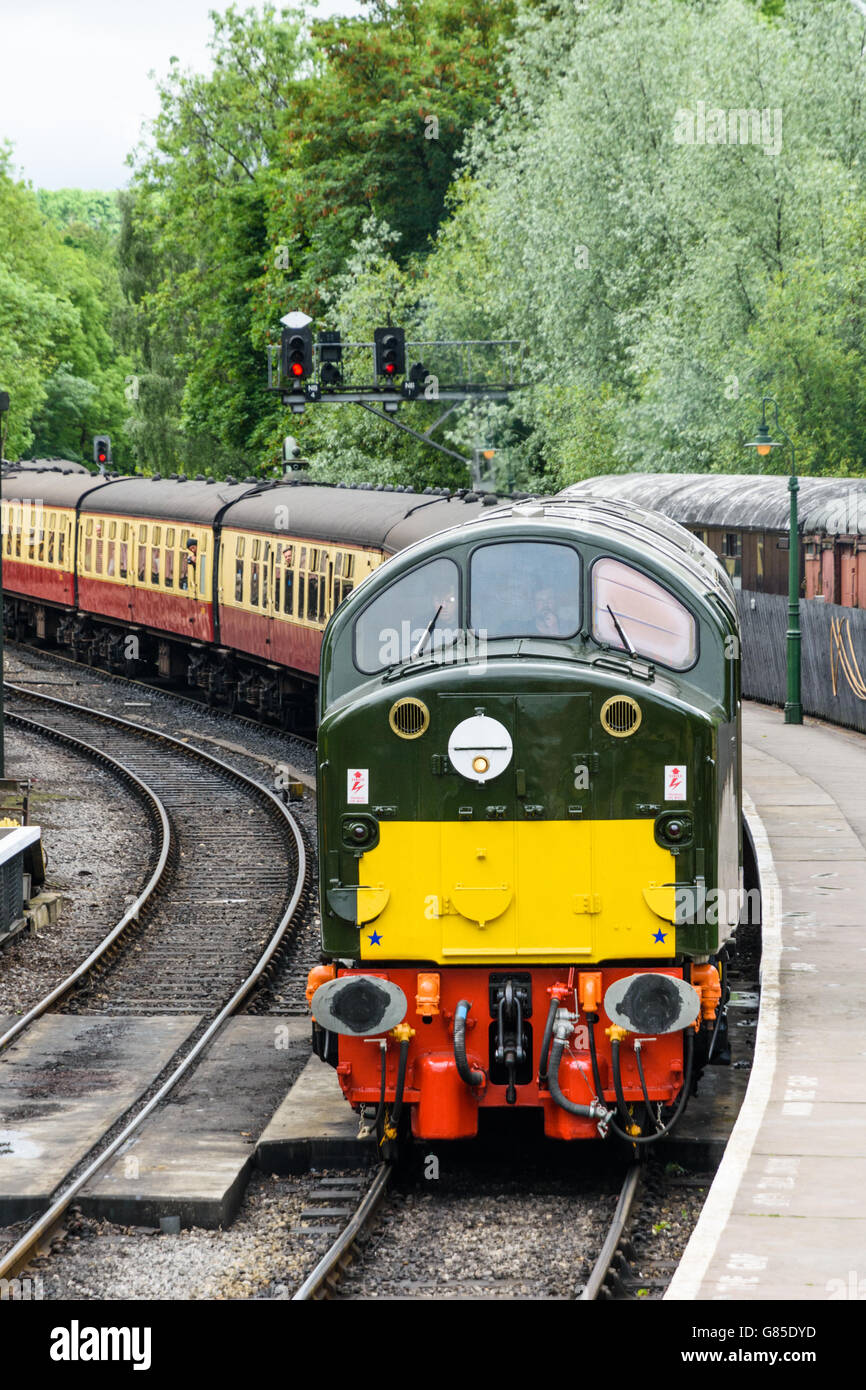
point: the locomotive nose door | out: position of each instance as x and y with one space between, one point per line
557 900
477 831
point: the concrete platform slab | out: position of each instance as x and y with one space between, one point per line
785 1217
787 1257
313 1127
812 1187
193 1157
61 1085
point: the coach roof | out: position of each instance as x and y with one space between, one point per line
51 489
348 516
45 465
741 501
165 499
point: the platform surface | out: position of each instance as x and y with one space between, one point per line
313 1127
193 1156
786 1216
61 1085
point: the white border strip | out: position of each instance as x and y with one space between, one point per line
15 841
698 1254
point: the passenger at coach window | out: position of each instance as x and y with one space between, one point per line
187 562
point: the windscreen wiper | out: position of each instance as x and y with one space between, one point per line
623 638
422 641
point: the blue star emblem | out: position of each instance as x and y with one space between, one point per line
375 939
660 935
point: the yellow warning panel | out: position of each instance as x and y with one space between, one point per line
534 891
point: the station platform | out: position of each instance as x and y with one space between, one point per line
785 1217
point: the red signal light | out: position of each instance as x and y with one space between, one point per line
297 369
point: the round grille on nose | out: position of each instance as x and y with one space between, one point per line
409 717
620 716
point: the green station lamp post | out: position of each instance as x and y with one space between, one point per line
763 443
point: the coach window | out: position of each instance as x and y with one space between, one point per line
408 613
88 544
99 547
732 553
183 561
124 550
288 579
348 580
239 569
760 560
324 563
312 596
198 564
266 572
633 613
302 580
61 540
254 572
317 585
524 589
278 574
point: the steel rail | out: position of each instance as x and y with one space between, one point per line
159 815
600 1270
24 1249
320 1284
116 677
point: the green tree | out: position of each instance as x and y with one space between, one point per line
256 189
664 285
58 360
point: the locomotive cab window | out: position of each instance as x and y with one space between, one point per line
633 613
422 606
525 589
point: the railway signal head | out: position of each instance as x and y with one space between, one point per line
297 353
390 352
330 359
102 450
292 454
418 373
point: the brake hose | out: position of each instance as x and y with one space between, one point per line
464 1071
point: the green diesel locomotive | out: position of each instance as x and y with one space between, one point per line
529 823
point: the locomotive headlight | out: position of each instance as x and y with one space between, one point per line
674 829
480 748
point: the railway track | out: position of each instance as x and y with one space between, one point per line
225 875
605 1281
161 692
228 880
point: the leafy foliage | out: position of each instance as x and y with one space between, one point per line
664 199
59 292
663 286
